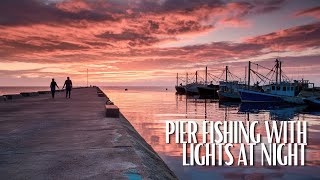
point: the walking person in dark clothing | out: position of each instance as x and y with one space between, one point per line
68 84
53 86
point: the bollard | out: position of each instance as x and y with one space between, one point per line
112 111
101 95
108 102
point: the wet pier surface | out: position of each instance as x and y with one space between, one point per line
44 138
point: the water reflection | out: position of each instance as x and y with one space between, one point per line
147 109
276 112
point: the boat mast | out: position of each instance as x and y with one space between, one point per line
249 71
278 66
206 74
196 76
177 79
277 71
245 74
280 72
186 78
226 73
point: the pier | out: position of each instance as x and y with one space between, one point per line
44 138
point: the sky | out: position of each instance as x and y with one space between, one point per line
147 42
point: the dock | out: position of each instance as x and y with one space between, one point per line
44 138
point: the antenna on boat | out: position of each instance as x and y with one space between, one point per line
206 74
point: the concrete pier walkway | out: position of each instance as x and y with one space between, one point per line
44 138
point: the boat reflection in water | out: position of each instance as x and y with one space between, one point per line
148 108
282 112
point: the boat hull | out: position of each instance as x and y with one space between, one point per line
293 100
180 89
208 91
192 89
313 103
226 96
253 96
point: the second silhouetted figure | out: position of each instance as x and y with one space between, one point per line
68 84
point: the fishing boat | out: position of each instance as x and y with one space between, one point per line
192 88
209 90
228 90
280 91
270 93
180 89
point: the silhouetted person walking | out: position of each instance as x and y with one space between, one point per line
68 84
53 86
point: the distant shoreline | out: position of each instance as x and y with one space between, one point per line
99 86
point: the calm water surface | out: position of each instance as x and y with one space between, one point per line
147 108
18 90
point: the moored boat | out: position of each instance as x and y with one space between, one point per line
255 96
228 90
275 92
192 89
201 88
227 96
180 89
208 91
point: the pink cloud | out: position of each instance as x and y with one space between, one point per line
313 12
74 6
296 38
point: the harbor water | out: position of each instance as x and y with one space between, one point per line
147 108
19 89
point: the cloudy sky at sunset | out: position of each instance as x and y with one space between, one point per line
146 42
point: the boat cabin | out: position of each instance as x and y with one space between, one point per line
231 86
282 89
